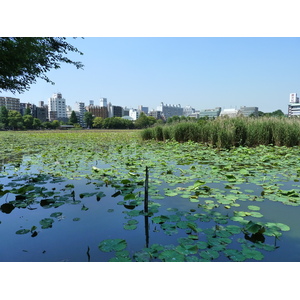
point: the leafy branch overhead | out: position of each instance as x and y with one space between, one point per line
24 59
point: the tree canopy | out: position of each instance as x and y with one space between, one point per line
24 59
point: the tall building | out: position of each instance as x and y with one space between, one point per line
188 110
143 109
170 110
57 108
294 105
114 111
103 102
80 110
42 111
248 111
10 103
97 111
210 113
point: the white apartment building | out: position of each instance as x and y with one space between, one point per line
57 108
294 105
134 114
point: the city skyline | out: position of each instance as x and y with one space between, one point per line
199 72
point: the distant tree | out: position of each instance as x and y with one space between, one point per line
24 59
28 121
37 123
151 120
277 113
27 111
73 118
4 116
47 125
88 119
98 122
55 124
15 120
142 121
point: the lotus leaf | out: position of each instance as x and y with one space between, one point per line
112 245
171 256
209 254
253 207
22 231
46 223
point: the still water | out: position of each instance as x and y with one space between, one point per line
85 212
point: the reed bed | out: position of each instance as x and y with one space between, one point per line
231 132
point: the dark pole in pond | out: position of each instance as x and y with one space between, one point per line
146 209
146 192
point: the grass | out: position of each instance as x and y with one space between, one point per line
231 132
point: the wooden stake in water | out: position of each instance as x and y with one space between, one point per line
146 192
146 209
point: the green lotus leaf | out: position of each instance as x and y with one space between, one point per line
120 259
129 226
160 219
112 245
129 197
253 207
171 256
254 227
56 214
252 253
209 254
234 255
76 219
46 223
202 245
256 214
233 229
187 249
22 231
171 193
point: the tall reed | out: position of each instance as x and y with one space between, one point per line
225 132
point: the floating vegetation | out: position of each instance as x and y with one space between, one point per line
205 204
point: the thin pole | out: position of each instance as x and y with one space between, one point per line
146 209
146 193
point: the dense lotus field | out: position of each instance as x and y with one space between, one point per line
79 196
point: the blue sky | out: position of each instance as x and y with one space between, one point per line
204 72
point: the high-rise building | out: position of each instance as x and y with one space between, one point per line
294 105
210 113
103 102
80 110
57 108
248 111
170 110
10 103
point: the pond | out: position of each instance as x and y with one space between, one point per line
79 197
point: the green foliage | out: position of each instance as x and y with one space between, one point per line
73 118
15 120
4 116
231 132
24 59
98 122
88 119
143 121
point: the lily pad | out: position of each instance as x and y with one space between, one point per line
112 245
46 223
22 231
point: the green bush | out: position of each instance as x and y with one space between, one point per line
225 132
